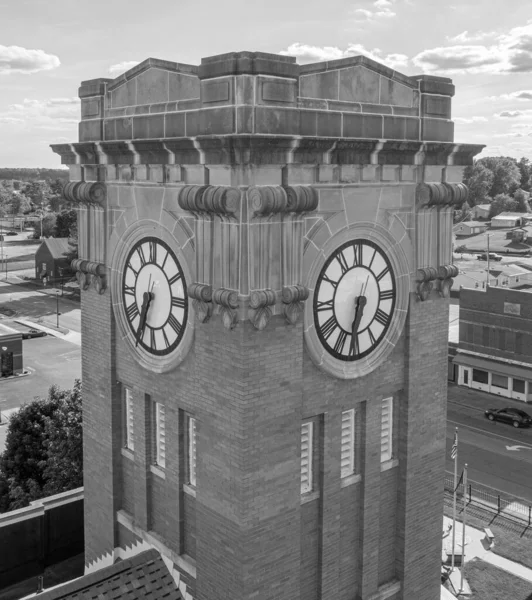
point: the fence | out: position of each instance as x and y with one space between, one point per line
512 508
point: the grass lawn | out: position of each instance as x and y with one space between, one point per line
512 540
490 583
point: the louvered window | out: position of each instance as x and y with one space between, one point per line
192 451
347 457
160 435
306 458
128 420
386 429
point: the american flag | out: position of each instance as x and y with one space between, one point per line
454 449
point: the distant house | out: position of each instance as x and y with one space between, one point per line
467 228
508 219
481 211
51 258
510 276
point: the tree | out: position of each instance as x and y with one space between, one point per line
502 203
55 199
66 223
525 168
48 226
19 204
506 174
479 180
43 453
522 197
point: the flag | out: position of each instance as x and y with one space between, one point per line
454 449
459 481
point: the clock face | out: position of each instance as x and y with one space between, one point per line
154 296
354 300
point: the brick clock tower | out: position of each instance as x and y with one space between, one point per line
265 258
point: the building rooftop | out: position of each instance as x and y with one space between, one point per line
58 247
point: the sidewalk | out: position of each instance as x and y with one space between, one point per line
62 332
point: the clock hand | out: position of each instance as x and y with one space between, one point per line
360 302
146 300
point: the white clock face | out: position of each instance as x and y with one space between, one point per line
154 296
354 300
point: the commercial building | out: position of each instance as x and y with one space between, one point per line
266 255
467 228
508 219
11 361
494 351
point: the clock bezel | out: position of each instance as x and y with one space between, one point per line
395 254
135 234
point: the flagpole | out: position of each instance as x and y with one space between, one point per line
455 452
463 530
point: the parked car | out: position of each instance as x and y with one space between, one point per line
32 333
515 416
492 255
11 233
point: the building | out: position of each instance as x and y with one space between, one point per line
481 211
266 252
495 342
508 219
11 362
467 228
52 258
504 275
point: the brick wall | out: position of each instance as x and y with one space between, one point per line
310 550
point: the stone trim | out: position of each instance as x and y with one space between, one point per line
199 199
89 193
259 304
228 302
89 272
201 295
445 276
293 297
441 194
425 282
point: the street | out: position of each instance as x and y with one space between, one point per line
498 455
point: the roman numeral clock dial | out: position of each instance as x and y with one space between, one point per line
354 300
154 296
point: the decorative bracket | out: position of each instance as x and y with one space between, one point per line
445 275
221 200
228 301
259 303
441 194
425 278
293 298
88 272
202 300
85 192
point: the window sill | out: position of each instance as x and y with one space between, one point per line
191 491
309 497
352 479
389 464
127 453
159 471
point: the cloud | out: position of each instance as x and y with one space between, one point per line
470 119
465 36
14 59
53 113
308 54
509 53
383 10
509 134
119 68
508 114
520 95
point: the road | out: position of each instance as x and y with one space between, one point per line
489 448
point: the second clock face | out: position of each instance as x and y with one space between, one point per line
354 300
154 296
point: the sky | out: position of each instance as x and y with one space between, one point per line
47 47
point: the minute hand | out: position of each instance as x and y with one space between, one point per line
360 302
143 315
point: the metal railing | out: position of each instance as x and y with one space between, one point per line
505 505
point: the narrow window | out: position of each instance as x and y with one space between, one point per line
128 423
347 458
160 434
306 457
386 429
191 450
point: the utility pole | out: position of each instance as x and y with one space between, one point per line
488 256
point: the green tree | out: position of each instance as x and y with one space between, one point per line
502 203
48 226
506 174
525 168
479 180
55 198
522 197
66 223
19 204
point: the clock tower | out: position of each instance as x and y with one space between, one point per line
265 258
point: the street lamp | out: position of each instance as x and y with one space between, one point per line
57 306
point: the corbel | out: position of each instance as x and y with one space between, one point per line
88 272
425 278
441 194
201 295
259 303
85 192
228 301
216 199
445 275
293 297
267 200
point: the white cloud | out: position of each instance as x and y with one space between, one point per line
308 54
53 113
470 119
509 134
510 53
14 59
119 68
519 95
383 10
465 36
509 114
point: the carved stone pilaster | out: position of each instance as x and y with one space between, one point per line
228 302
220 200
445 275
270 199
201 295
85 192
259 304
293 298
425 281
441 194
88 272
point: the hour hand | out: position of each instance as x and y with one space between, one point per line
147 298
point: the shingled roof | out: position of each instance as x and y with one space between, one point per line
58 247
141 577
